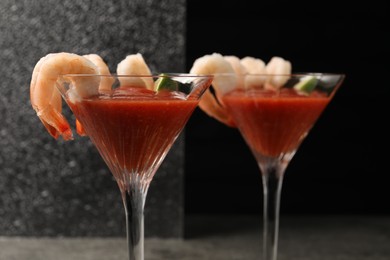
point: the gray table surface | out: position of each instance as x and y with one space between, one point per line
226 237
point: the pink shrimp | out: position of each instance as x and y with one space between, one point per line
224 80
135 64
230 73
45 97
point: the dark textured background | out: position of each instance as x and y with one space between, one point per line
50 187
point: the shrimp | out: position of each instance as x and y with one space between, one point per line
224 81
281 68
135 65
46 99
231 73
253 66
238 68
105 82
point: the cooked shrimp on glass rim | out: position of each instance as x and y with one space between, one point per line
231 73
46 99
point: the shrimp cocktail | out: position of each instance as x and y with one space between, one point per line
274 110
132 118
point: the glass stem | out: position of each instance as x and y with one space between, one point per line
134 202
272 178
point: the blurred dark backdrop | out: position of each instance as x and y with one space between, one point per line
341 168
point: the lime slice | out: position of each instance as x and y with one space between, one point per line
306 84
164 82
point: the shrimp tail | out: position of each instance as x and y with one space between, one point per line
56 124
80 129
52 131
212 108
46 99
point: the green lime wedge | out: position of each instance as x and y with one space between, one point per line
164 82
306 84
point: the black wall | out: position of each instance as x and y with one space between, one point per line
342 166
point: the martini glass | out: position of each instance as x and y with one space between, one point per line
274 114
133 129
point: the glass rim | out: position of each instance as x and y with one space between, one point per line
192 75
295 74
168 74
